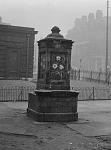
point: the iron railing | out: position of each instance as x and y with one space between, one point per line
93 93
15 93
85 93
100 77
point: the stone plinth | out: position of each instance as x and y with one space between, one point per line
53 105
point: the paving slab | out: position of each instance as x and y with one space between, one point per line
95 118
91 129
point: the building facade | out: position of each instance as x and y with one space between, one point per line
89 34
16 51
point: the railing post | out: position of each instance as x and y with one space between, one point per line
91 76
108 78
79 74
93 94
99 77
75 75
21 93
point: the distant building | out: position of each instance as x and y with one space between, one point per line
89 34
3 23
99 15
16 51
91 18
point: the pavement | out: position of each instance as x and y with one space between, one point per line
94 120
94 116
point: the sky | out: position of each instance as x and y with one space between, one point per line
44 14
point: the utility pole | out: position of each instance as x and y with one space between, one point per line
107 41
27 56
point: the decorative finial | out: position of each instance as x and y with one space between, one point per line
55 29
55 33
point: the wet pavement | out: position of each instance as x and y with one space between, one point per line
94 121
94 118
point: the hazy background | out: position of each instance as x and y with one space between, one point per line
43 14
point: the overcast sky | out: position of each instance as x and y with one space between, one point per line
44 14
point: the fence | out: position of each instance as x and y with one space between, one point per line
91 76
93 93
87 93
15 93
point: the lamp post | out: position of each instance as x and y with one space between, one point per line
27 55
80 64
106 65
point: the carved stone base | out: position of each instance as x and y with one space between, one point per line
53 105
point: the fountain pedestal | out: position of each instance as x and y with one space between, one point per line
53 100
48 105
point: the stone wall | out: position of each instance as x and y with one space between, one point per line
16 51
